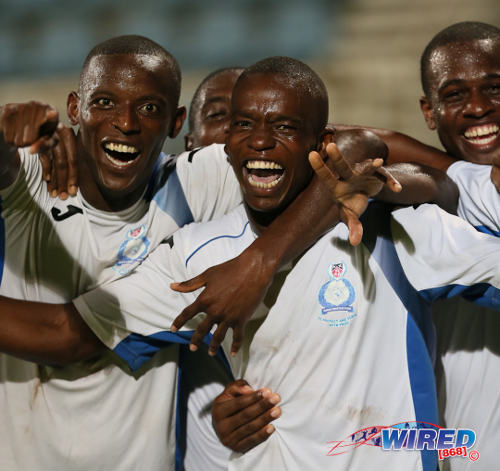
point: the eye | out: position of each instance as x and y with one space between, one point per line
149 108
494 89
241 123
216 115
285 127
104 102
453 96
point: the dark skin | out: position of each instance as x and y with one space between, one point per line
214 113
120 108
464 98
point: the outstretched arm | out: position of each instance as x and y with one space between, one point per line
403 148
53 334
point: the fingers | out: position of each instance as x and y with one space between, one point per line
45 160
243 422
199 334
390 181
340 165
217 338
60 167
354 225
323 172
67 138
189 285
237 340
188 313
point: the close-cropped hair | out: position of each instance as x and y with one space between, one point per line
195 106
299 76
140 45
465 31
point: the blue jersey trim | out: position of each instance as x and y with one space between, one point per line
137 349
166 191
181 415
420 336
215 238
487 230
482 294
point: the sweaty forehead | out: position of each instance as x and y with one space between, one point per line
464 61
122 69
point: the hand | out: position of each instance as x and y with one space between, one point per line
233 290
59 164
351 187
29 124
495 172
242 417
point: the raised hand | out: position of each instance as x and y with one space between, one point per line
29 124
59 164
352 186
242 417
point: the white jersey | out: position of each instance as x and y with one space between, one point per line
95 415
468 341
348 338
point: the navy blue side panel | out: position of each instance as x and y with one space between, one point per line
378 239
171 199
487 230
215 238
181 414
423 386
138 349
2 242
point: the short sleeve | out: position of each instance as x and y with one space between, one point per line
479 201
133 314
208 181
443 256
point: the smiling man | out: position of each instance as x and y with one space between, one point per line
210 109
130 200
329 307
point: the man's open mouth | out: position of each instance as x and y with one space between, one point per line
120 154
263 173
481 135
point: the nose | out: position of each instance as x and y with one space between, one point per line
478 105
261 139
127 120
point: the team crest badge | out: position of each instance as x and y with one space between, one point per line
337 296
132 250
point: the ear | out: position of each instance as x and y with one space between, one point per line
73 108
180 116
426 108
188 141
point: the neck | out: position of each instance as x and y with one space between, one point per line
259 220
97 197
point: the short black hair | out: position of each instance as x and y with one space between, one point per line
299 76
134 44
465 31
195 106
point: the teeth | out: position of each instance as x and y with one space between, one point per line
115 147
478 131
262 184
263 164
119 163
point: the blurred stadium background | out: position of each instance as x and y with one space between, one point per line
367 51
